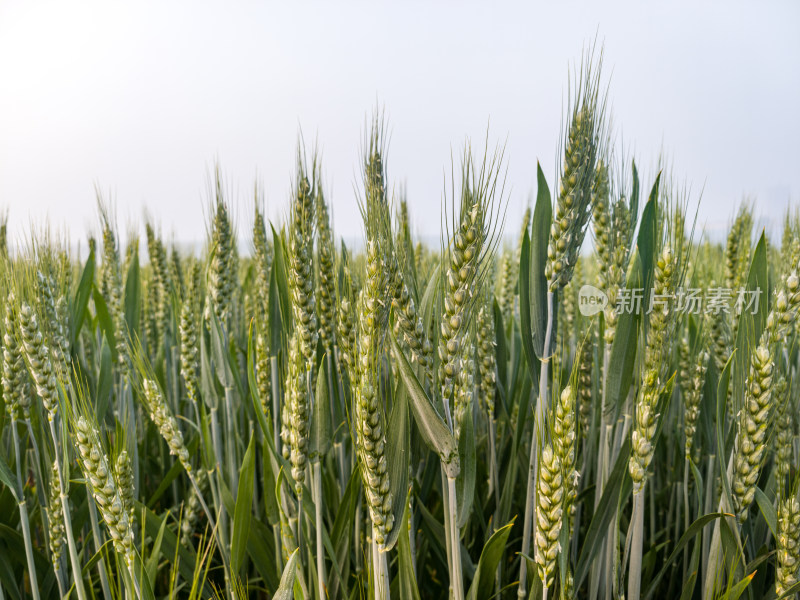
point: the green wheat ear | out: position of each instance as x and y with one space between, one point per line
646 417
221 272
788 544
56 531
573 207
295 414
326 259
469 252
301 262
549 511
100 474
165 421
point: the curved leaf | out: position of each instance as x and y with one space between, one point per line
319 441
465 482
482 587
244 501
398 450
284 591
540 236
694 530
432 427
623 350
81 300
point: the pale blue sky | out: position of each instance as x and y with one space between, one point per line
142 97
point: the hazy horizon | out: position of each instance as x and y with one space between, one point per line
142 100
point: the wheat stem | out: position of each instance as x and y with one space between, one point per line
23 514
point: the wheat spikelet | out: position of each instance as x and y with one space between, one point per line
161 282
584 383
111 280
220 269
573 205
370 436
601 217
37 356
262 258
564 436
326 285
301 264
124 473
464 275
464 386
95 466
193 509
263 372
295 415
615 276
693 394
788 543
507 283
487 368
751 437
548 515
754 416
190 351
15 376
167 425
784 431
645 415
55 519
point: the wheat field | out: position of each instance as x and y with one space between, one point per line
595 402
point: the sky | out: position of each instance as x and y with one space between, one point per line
141 99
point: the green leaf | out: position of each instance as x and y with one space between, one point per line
768 510
173 472
284 591
104 318
244 502
722 397
151 565
207 382
262 553
482 587
172 548
693 531
220 353
525 304
540 236
279 299
253 385
406 580
751 325
133 296
342 529
737 590
320 435
105 381
398 450
646 241
618 484
622 360
465 482
790 593
7 477
145 588
81 301
633 207
432 427
7 578
501 352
